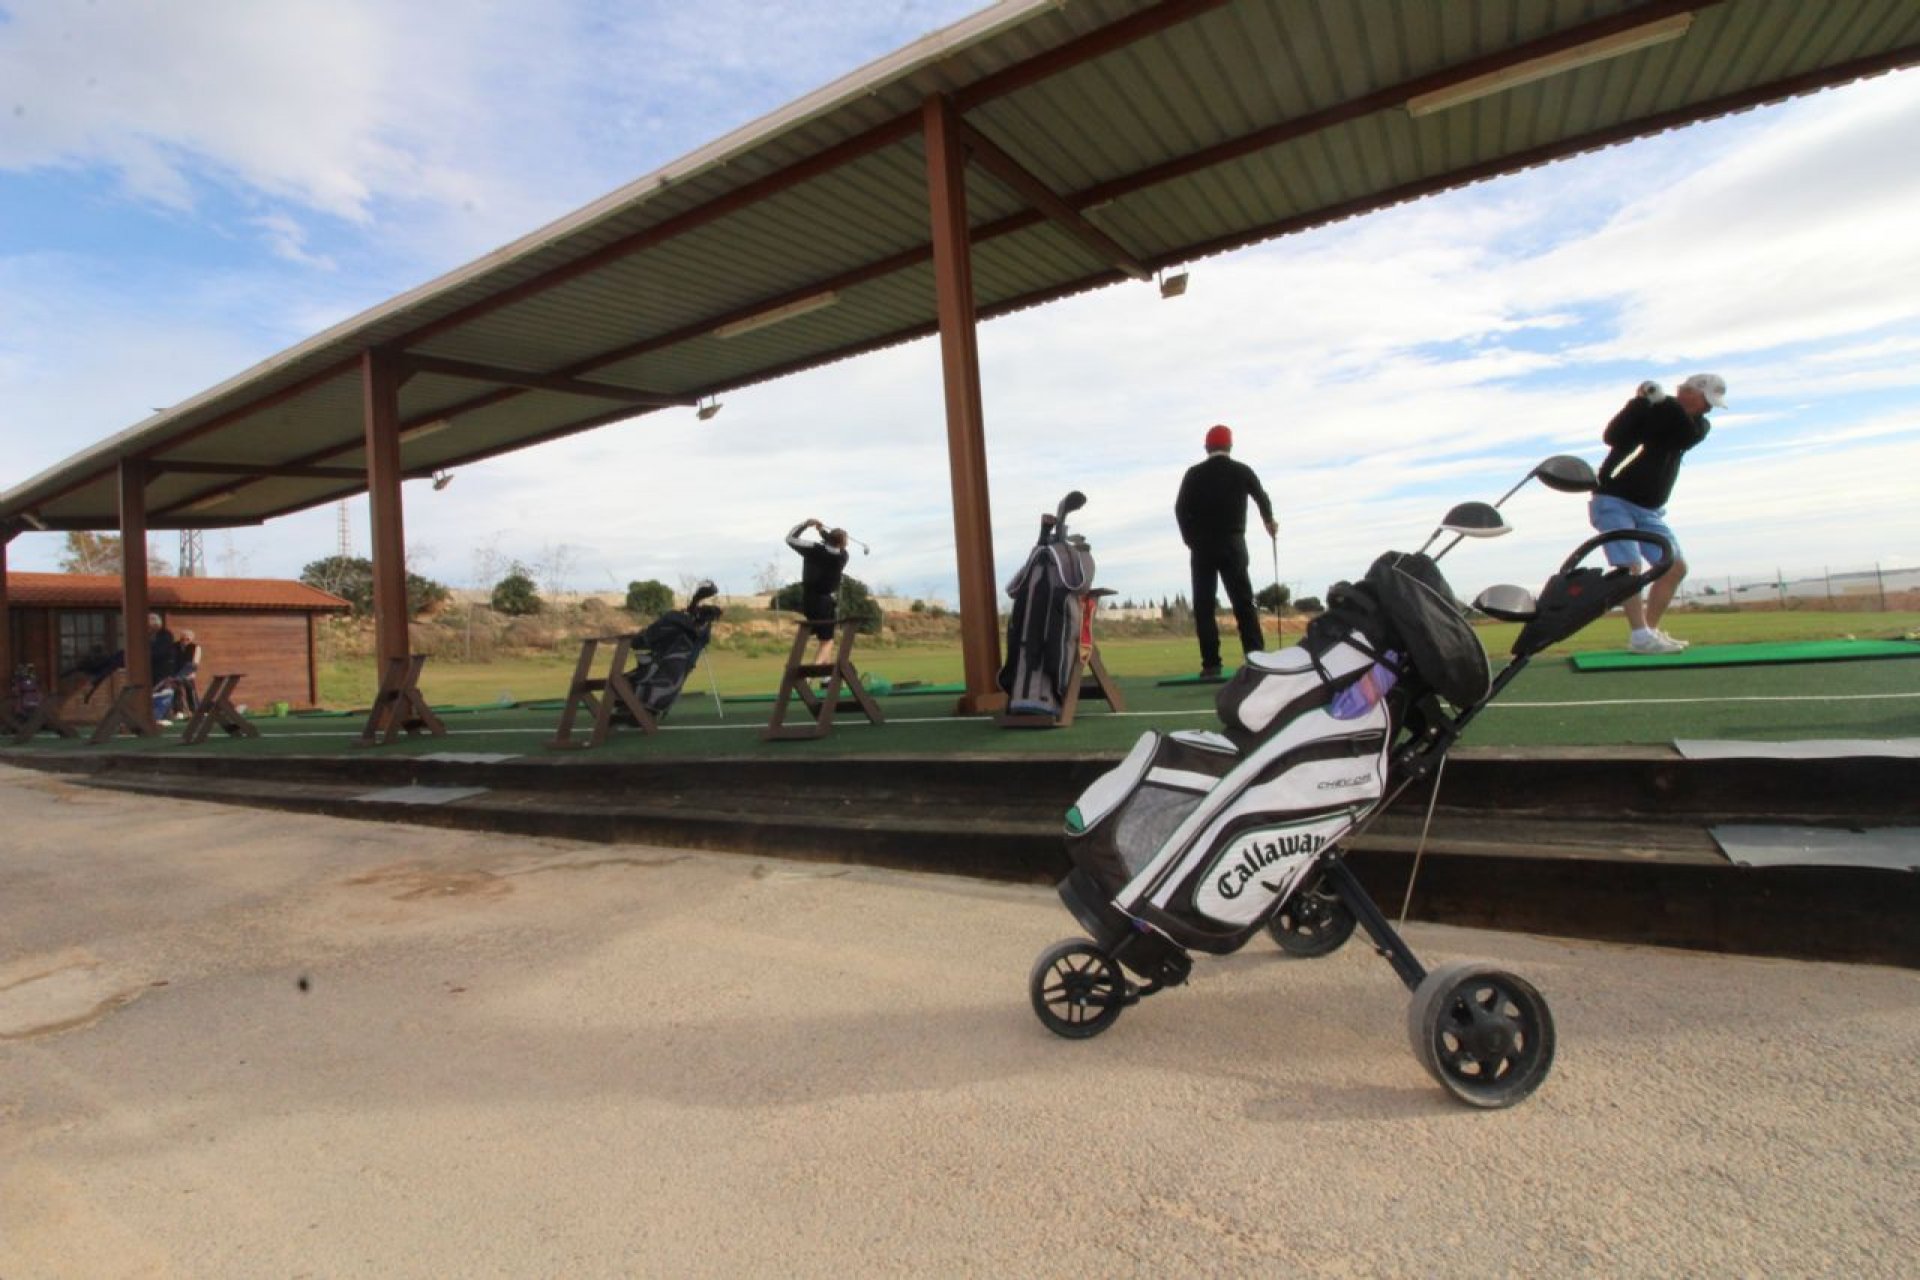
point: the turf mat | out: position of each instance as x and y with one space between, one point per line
1739 655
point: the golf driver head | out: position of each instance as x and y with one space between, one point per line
1564 473
1072 502
1507 603
1475 520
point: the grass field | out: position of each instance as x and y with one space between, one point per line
526 679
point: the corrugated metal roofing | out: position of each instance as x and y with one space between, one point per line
103 591
1181 129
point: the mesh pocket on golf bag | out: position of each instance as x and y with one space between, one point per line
1129 811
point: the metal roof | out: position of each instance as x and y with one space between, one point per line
1168 131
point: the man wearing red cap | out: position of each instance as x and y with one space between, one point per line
1212 511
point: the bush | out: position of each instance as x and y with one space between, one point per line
1273 596
351 578
1309 604
649 599
515 594
856 601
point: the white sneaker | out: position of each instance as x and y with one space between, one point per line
1661 632
1653 642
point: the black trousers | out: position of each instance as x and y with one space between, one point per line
1229 566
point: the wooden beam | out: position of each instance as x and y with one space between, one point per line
380 383
542 381
966 428
997 162
6 617
133 584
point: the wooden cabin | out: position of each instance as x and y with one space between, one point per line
262 627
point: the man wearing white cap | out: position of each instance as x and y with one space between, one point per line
1645 443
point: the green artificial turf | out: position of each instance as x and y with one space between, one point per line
1729 655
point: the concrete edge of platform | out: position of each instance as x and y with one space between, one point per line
1819 913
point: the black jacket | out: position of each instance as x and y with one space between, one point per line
1662 431
820 564
1212 506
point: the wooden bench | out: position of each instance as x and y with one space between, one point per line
601 696
1090 678
215 708
841 677
400 705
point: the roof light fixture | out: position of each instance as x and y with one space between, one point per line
212 500
708 408
1631 40
33 518
425 429
1172 286
774 315
441 479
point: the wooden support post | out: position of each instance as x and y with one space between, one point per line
6 624
216 708
841 677
133 589
966 432
380 378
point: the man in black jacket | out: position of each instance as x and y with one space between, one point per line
1212 511
1645 443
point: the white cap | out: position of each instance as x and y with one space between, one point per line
1710 385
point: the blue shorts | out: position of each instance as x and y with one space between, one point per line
1607 513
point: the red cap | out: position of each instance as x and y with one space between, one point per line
1219 438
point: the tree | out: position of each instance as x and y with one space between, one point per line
1274 596
351 578
515 594
855 602
89 552
1309 604
649 599
767 578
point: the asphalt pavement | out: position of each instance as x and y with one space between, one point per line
242 1043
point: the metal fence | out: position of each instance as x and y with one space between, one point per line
1848 588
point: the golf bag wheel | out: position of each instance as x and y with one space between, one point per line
1485 1034
1077 990
1313 922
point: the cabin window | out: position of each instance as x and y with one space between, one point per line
86 637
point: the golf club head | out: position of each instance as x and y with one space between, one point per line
1475 520
1565 473
1072 502
1507 603
704 591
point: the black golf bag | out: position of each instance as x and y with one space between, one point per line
669 648
1045 627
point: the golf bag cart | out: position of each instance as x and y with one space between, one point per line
1197 841
1050 628
667 650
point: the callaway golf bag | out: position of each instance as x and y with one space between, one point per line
1198 841
1045 627
669 648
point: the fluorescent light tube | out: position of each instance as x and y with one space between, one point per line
1552 64
774 315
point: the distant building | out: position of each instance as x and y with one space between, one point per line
260 627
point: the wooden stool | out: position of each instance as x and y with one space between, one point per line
49 717
127 714
1090 678
215 707
598 696
400 705
820 706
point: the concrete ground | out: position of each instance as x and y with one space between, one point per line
242 1043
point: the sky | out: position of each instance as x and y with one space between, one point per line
188 189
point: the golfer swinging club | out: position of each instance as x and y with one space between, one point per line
1212 511
822 563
